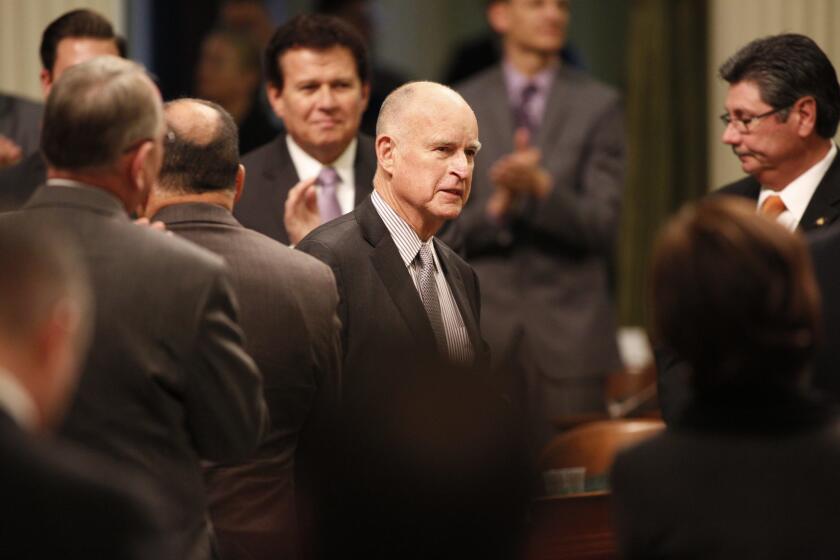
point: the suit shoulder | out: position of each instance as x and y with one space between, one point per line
476 85
747 187
168 249
291 261
257 156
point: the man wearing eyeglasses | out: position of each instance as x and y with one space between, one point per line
782 110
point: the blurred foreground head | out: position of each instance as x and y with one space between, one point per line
734 294
44 319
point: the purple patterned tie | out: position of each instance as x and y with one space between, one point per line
521 114
328 206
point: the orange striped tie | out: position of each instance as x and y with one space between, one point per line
773 206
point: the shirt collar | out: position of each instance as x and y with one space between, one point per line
307 166
405 238
16 401
797 194
58 182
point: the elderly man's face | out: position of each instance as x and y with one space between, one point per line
435 148
770 145
322 99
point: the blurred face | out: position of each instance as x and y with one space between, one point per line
534 25
75 50
770 146
322 100
431 160
220 76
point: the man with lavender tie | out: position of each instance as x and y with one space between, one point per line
540 226
321 167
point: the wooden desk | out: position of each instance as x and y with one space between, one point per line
571 528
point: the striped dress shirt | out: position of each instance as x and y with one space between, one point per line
408 244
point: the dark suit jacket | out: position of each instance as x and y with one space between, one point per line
58 504
288 304
17 183
754 481
823 210
271 174
167 382
389 354
381 313
547 301
20 121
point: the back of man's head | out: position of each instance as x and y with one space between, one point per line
96 112
317 32
44 312
202 148
785 68
75 24
734 294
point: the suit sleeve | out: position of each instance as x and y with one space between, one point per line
583 209
326 256
226 412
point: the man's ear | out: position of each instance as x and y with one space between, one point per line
240 183
137 167
498 16
806 109
275 99
46 82
385 152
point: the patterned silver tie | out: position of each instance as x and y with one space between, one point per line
328 206
429 295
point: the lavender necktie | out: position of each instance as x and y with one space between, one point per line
328 206
521 113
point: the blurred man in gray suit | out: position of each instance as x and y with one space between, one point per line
167 382
540 227
288 312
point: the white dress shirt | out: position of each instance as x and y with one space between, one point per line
797 195
308 167
16 401
408 244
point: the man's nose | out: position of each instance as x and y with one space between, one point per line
326 97
460 166
731 135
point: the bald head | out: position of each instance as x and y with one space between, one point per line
426 142
202 152
412 98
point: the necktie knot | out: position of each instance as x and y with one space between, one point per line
425 254
328 177
773 206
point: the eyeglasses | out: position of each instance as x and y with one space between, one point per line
742 125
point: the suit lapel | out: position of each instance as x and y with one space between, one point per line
281 176
824 206
459 290
364 168
392 271
557 109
